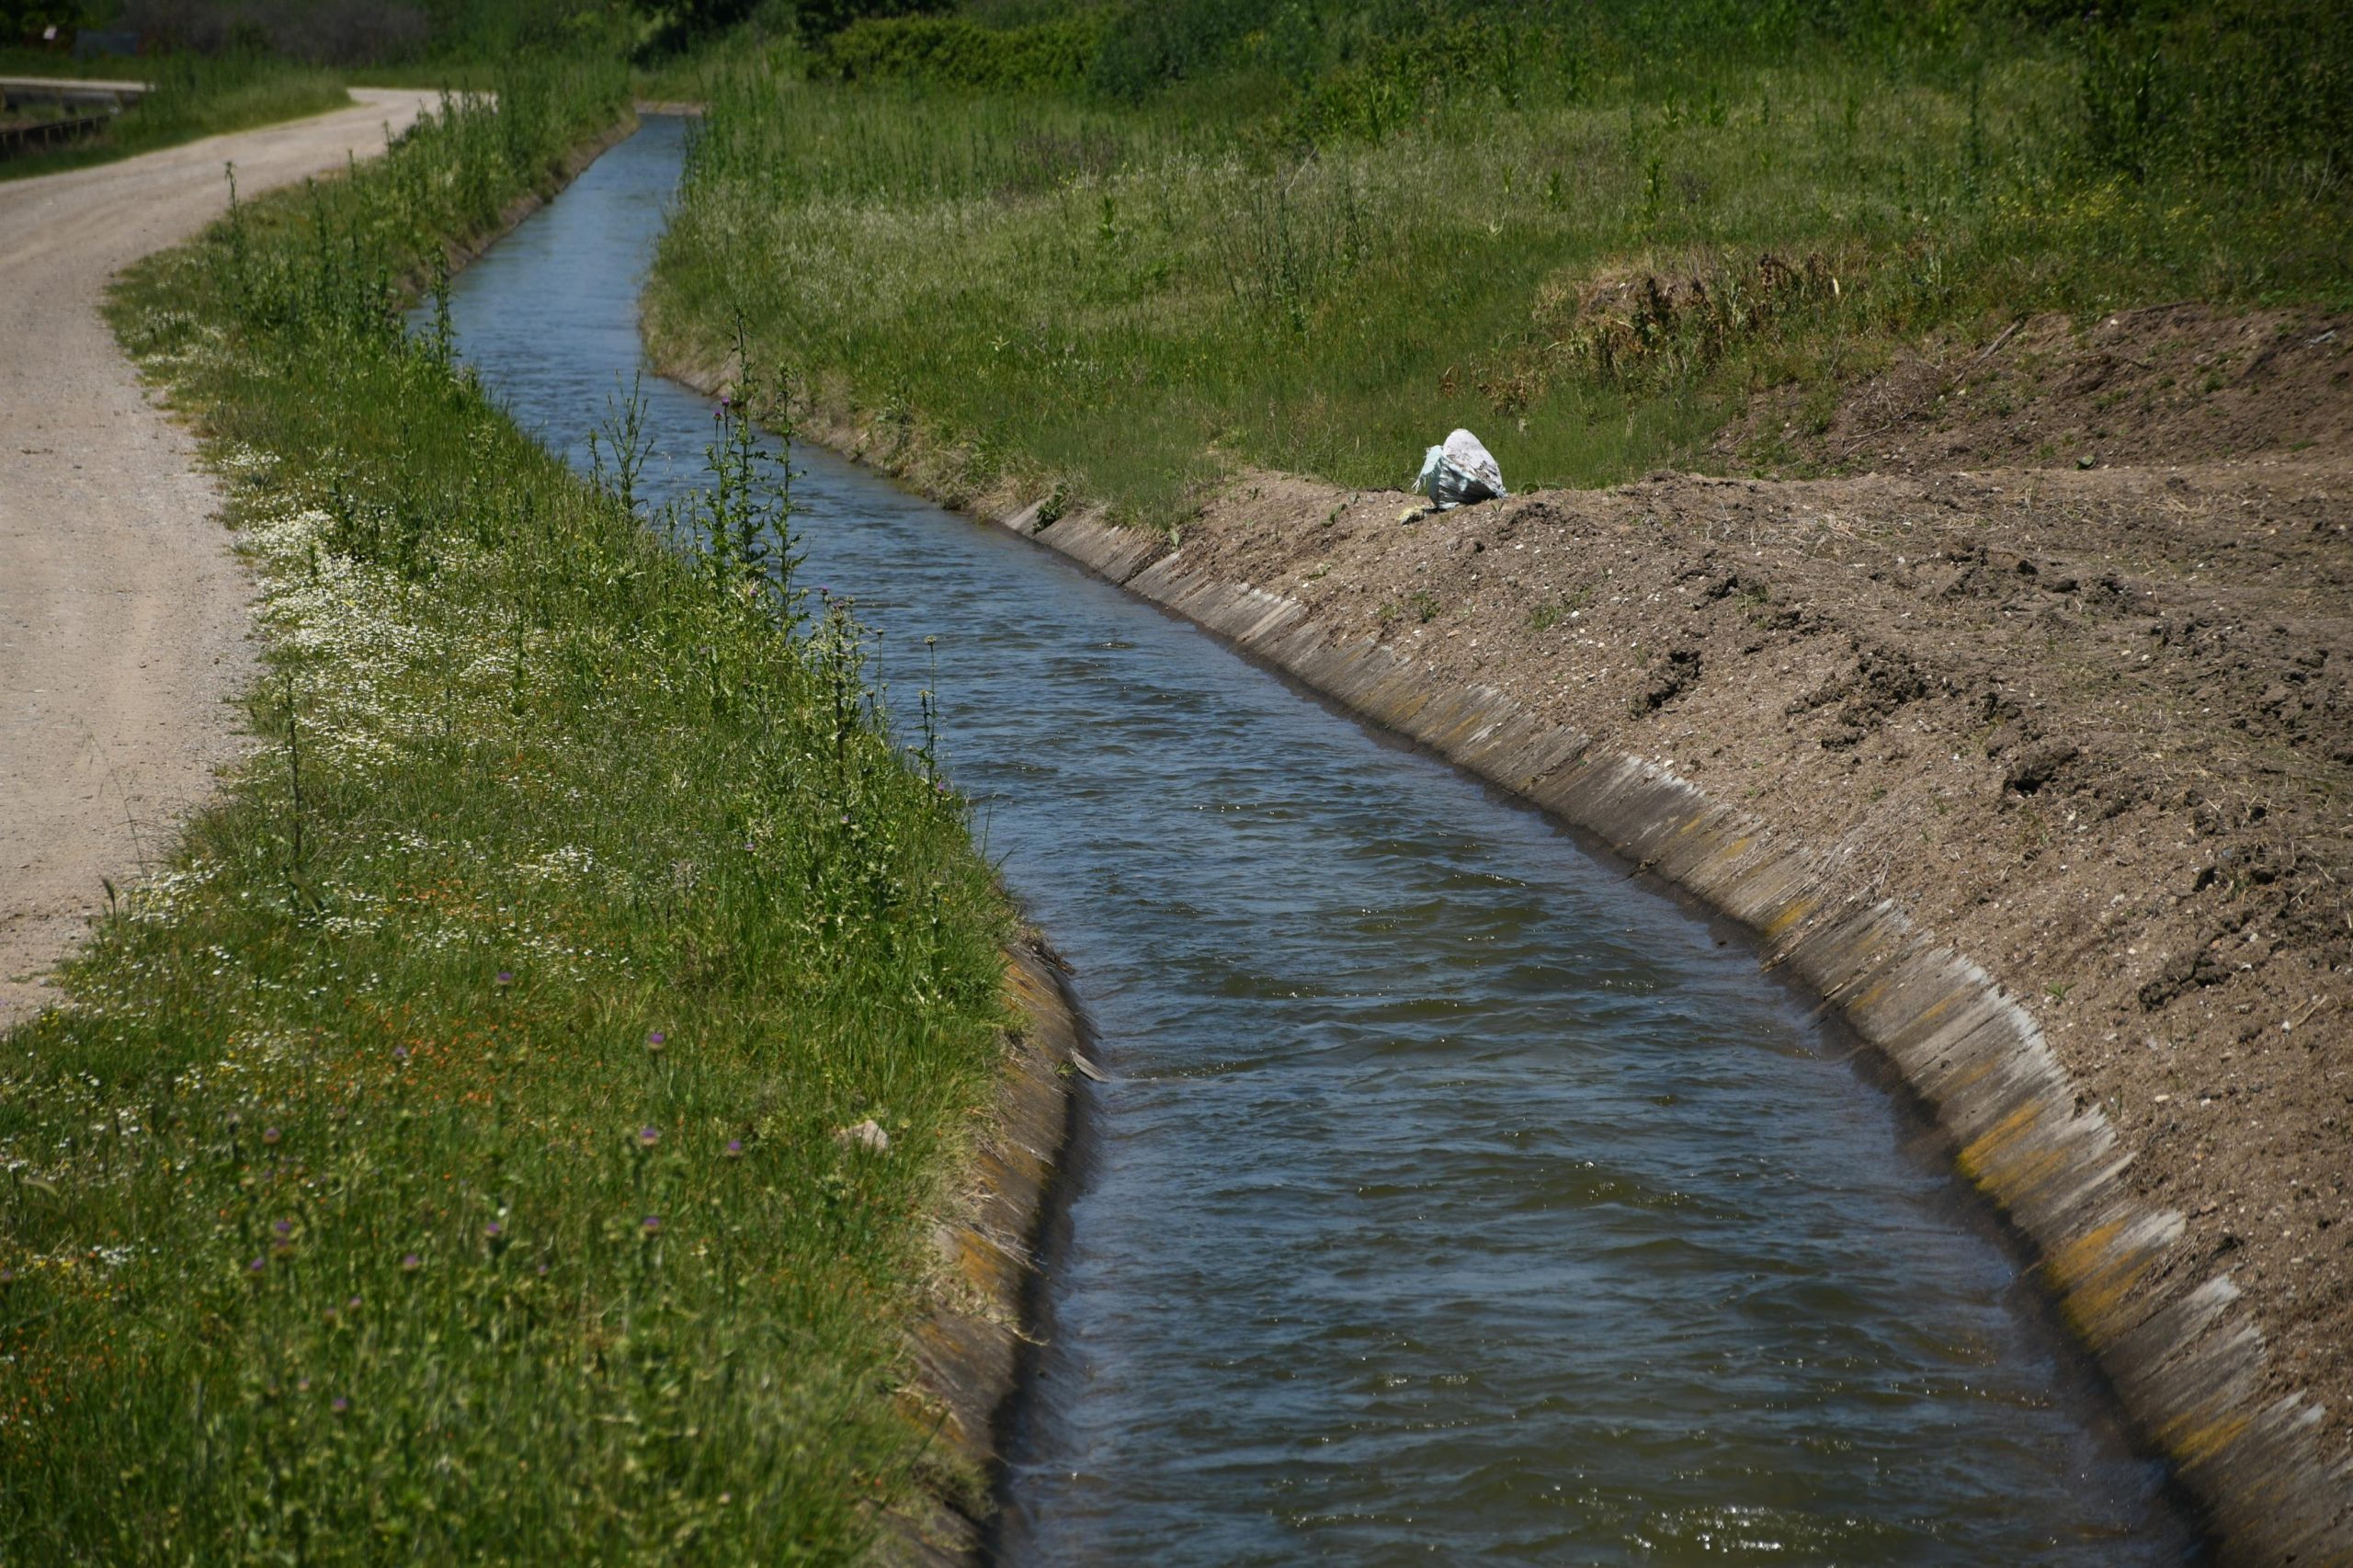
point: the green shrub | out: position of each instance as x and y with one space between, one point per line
821 19
2217 92
953 52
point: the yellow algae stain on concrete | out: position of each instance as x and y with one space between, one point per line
1797 909
1986 1160
2092 1276
2193 1439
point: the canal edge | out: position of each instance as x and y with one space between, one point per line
463 253
2185 1361
975 1353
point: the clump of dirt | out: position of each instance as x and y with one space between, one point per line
1653 317
2164 384
2092 729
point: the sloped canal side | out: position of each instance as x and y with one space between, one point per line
1454 1196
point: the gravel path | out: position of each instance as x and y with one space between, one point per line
124 621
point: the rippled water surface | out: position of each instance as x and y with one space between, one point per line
1455 1198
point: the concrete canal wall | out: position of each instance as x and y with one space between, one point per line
2182 1355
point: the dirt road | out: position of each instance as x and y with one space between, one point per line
124 630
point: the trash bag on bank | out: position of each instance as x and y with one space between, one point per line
1459 472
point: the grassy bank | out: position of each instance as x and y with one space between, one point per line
1590 234
193 96
439 1161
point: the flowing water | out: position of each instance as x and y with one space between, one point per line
1454 1197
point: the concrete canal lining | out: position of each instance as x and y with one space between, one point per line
2178 1347
2184 1356
2185 1359
971 1354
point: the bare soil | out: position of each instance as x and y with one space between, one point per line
124 630
2093 727
2163 384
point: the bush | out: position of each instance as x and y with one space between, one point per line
956 52
1154 42
822 19
2216 92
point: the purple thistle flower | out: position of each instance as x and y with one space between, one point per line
8 1277
656 1041
340 1406
542 1268
506 977
734 1148
269 1134
410 1264
400 1054
257 1266
648 1136
284 1227
301 1385
653 1225
352 1305
494 1230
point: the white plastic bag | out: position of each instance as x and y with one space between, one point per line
1459 472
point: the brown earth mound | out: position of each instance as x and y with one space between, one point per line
2164 384
2095 729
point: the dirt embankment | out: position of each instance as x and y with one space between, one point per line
2162 384
2092 727
123 620
2089 726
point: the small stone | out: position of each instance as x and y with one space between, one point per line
867 1134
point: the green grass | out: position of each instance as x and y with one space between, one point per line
1325 271
450 75
438 1161
194 96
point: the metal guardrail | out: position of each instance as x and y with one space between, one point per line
98 101
39 135
72 90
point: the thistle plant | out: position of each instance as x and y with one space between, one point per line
623 433
745 518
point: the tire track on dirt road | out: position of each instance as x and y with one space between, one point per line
125 621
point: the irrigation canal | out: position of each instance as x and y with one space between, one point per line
1454 1197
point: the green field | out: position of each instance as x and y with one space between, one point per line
1317 239
439 1160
